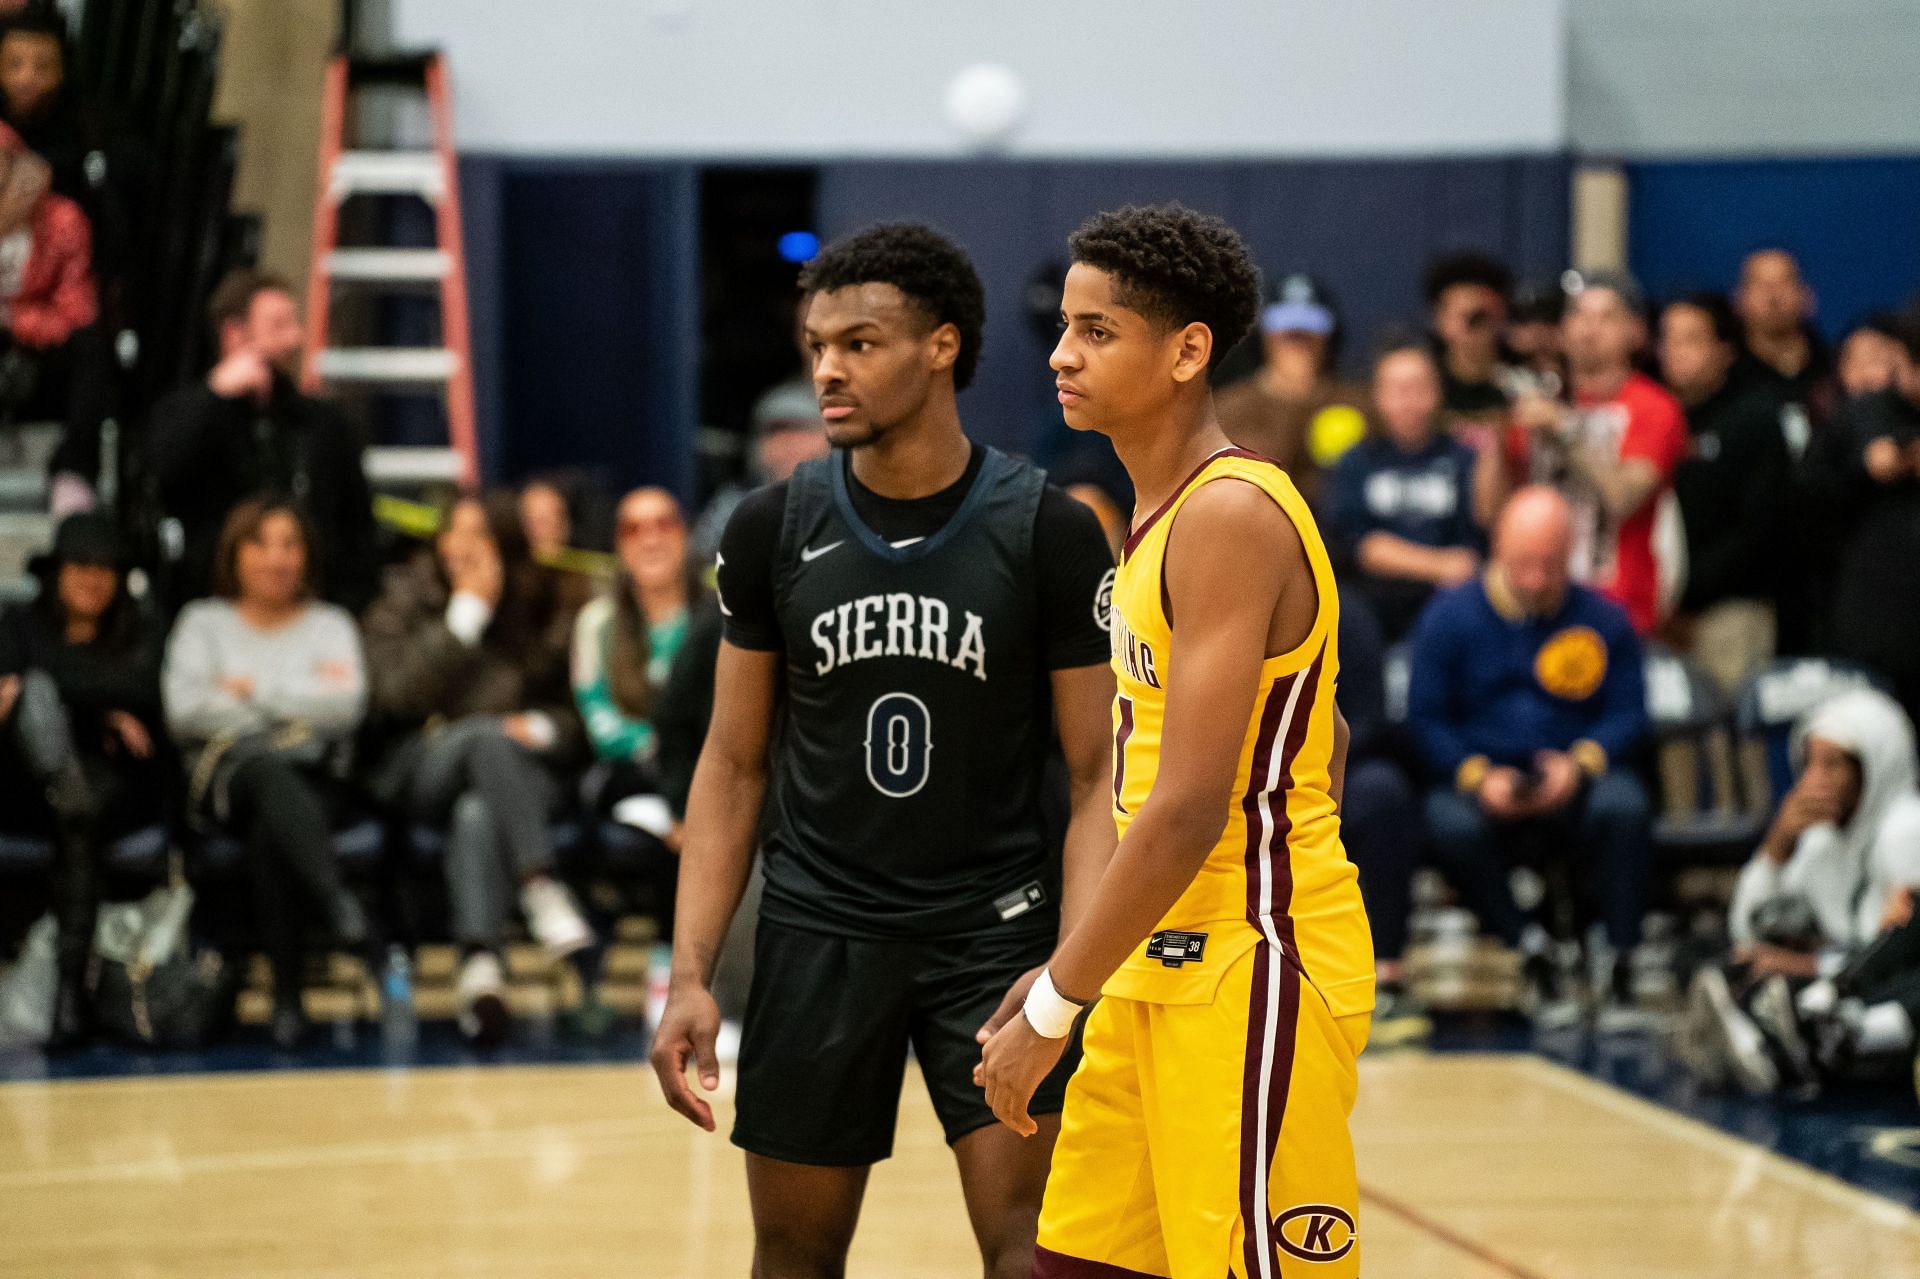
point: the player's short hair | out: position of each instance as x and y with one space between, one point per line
932 271
1176 267
1451 269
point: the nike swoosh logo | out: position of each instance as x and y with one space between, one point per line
808 554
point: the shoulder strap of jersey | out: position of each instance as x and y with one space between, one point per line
809 488
1272 479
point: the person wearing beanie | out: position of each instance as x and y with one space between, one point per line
81 748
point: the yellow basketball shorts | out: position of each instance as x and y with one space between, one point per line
1202 1140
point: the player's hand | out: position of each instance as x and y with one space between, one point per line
687 1031
1011 1066
1010 1006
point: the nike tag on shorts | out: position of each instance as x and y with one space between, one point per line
1020 901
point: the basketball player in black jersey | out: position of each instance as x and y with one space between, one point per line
926 611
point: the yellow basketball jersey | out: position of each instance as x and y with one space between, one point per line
1279 871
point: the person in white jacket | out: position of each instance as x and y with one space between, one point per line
1835 871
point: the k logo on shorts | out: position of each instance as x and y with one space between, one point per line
1315 1232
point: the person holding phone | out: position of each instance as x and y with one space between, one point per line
1527 703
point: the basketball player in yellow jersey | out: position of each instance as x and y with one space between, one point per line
1205 1133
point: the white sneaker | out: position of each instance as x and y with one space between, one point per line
1739 1041
481 991
556 922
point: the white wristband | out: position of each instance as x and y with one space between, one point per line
1049 1012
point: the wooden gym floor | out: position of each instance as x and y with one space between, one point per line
1477 1166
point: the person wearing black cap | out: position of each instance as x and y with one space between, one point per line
80 746
1296 410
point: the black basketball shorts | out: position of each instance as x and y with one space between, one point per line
829 1022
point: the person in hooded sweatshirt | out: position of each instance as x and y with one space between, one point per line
1811 911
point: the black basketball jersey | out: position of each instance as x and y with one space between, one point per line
907 800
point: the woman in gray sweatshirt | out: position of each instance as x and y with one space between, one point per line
263 685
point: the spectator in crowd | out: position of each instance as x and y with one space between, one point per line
1875 620
1379 818
1613 451
624 647
1295 409
1869 356
1527 703
264 687
546 517
1836 871
79 723
38 104
1785 356
1533 337
247 429
88 166
1467 297
55 362
468 645
787 430
625 642
1403 504
1734 490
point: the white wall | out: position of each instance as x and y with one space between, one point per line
1744 77
813 78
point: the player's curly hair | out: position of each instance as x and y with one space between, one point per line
930 269
1175 267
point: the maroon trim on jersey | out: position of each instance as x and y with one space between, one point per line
1273 1013
1133 538
1273 1008
1120 739
1048 1264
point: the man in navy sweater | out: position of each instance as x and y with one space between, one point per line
1527 704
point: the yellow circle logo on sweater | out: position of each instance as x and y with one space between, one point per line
1572 664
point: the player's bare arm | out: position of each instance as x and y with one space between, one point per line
723 813
1210 694
1083 715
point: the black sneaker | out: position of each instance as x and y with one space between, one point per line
1620 1012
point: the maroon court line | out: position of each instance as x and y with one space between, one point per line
1459 1242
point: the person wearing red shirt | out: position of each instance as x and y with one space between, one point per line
1613 451
54 360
